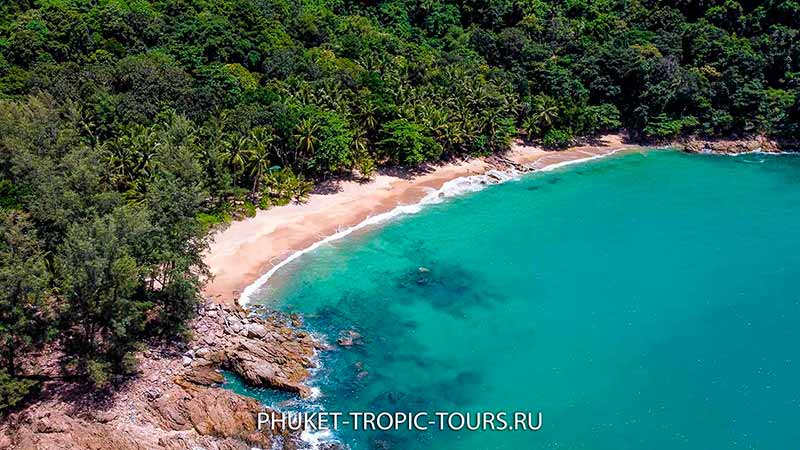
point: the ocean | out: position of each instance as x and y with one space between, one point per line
644 301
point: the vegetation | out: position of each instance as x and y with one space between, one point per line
129 127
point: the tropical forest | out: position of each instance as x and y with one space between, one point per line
131 128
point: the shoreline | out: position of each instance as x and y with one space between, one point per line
177 398
246 254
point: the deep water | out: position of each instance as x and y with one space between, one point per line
647 301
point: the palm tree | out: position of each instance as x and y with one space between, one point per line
360 142
305 135
260 142
544 111
130 155
235 156
531 126
367 116
363 163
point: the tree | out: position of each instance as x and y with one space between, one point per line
362 162
98 276
172 251
405 143
305 137
13 390
25 312
235 156
544 112
333 154
260 141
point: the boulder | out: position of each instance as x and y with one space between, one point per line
255 330
203 376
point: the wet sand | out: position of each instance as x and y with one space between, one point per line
247 249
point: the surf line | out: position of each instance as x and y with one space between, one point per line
453 188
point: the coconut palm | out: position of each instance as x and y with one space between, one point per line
235 156
305 135
544 111
260 143
367 115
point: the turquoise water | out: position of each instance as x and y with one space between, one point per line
647 301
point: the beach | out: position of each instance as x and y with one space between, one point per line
250 248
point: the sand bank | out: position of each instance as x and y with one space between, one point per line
247 249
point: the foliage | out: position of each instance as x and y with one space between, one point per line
98 372
557 138
129 129
281 186
13 390
406 143
99 273
24 289
662 127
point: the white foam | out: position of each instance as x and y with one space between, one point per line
452 188
570 162
314 393
314 439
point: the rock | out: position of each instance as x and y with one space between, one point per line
201 362
213 412
297 321
186 360
262 364
255 330
203 376
349 338
234 325
738 146
202 352
152 394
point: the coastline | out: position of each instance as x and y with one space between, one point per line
177 401
243 256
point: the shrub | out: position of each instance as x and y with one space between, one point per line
98 372
249 209
13 390
405 143
282 186
209 220
664 127
557 138
365 166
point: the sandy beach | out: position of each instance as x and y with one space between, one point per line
247 249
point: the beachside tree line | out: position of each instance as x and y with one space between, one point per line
129 128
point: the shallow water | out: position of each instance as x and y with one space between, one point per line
647 301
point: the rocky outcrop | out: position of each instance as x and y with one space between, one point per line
732 147
184 416
175 401
264 351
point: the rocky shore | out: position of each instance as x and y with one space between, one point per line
175 401
738 146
